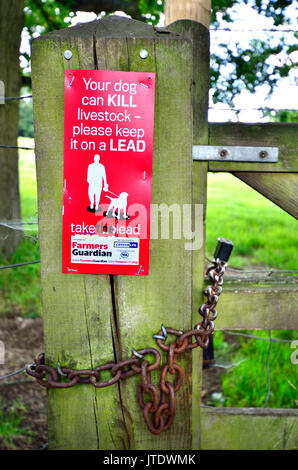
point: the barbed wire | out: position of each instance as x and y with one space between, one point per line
214 108
248 30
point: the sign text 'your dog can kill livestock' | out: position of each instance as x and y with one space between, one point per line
108 149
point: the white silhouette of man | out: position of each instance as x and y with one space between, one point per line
95 177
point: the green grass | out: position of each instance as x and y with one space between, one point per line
246 385
20 287
10 425
263 234
20 292
28 187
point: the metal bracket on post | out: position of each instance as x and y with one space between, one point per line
235 154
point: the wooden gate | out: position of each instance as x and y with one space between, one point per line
247 304
251 304
91 319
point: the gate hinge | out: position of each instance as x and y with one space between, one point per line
235 153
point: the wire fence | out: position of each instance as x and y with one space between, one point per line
252 109
18 225
257 271
16 147
13 98
6 266
211 108
271 340
254 30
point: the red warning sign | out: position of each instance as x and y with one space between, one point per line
108 149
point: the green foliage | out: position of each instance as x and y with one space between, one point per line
46 16
26 128
10 425
270 242
246 384
251 68
252 65
151 10
270 8
20 292
262 61
284 115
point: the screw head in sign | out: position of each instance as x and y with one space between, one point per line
144 54
67 54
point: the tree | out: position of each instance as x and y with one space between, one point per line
262 61
284 115
11 25
251 65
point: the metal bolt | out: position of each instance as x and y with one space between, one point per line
67 54
223 153
144 53
263 154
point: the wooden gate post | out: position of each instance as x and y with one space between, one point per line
92 319
199 36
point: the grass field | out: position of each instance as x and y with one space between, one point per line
263 236
20 287
28 186
262 233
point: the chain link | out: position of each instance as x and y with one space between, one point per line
158 404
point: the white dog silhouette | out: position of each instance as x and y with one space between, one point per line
119 204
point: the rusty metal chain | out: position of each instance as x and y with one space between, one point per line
159 406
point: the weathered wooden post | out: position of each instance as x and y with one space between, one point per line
191 19
195 10
92 319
